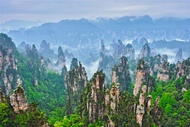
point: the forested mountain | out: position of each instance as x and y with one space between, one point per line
146 91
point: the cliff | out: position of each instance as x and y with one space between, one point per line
45 50
144 83
182 68
8 64
75 82
141 75
179 56
145 51
61 57
18 100
118 50
164 72
35 64
130 52
2 98
120 74
95 104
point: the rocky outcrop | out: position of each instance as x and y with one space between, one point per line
2 98
164 58
183 68
106 62
154 66
120 74
75 82
68 55
112 97
21 47
95 104
139 43
102 60
45 50
34 64
156 112
20 106
118 49
18 100
74 63
8 64
141 76
130 52
164 72
187 80
145 52
179 56
61 57
140 109
142 87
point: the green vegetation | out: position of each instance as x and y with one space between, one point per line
46 89
49 92
174 102
33 117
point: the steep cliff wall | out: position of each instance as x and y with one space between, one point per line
18 100
8 64
95 104
164 71
75 82
120 74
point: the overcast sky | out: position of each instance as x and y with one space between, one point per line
56 10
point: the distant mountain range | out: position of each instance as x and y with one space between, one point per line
18 24
83 31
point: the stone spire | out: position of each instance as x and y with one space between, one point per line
18 100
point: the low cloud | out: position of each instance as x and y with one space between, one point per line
91 68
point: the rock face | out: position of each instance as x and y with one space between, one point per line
74 63
164 58
154 66
130 52
21 47
183 68
61 57
68 55
138 44
35 63
75 82
145 51
140 110
106 62
140 79
142 87
2 98
156 112
120 74
179 56
187 80
140 76
45 50
18 100
114 97
164 72
118 50
8 64
95 105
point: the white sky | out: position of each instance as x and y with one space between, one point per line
56 10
